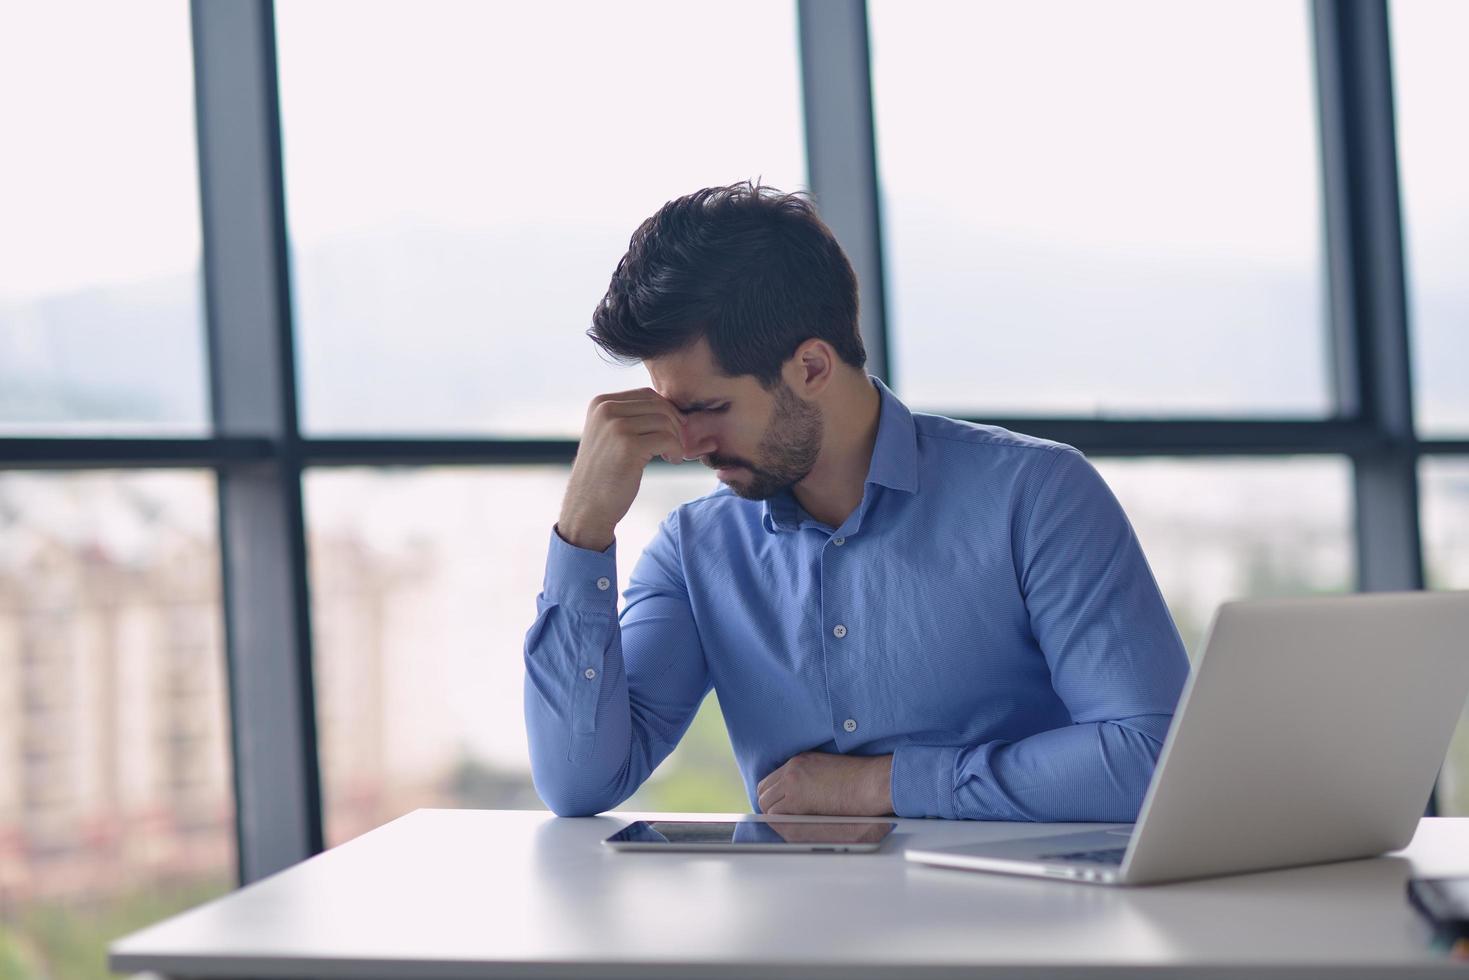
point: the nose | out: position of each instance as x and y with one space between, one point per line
697 441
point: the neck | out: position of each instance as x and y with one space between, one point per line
833 488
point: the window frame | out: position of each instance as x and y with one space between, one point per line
259 455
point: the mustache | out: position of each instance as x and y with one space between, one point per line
719 462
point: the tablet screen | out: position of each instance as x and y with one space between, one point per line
750 832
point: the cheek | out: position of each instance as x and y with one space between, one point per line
732 435
741 439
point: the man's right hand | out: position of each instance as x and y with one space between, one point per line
624 432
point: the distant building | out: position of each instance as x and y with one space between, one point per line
114 740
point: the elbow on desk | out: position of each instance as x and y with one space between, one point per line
568 790
572 782
572 801
573 809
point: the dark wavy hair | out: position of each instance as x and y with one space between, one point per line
754 270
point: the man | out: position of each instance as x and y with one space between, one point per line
901 613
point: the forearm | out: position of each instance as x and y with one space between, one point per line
881 785
1097 771
578 728
605 699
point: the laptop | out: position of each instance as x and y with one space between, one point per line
1310 730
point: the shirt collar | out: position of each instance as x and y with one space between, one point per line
894 461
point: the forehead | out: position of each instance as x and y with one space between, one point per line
690 378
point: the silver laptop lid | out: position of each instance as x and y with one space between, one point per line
1312 729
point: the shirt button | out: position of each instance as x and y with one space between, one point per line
604 583
838 541
838 631
589 673
850 725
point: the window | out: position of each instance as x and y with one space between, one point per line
455 220
1101 209
1221 529
1088 210
1445 490
1429 74
115 799
425 581
424 585
100 326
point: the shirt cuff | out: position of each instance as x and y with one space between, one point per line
923 780
580 578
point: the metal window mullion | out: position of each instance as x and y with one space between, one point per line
1181 437
841 153
252 394
1368 305
103 452
1368 291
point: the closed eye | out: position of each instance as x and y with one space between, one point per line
702 407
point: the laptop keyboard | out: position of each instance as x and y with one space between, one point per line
1106 855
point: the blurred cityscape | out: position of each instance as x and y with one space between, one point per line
115 798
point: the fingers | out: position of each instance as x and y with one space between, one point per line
660 443
773 792
619 410
651 434
770 791
656 425
630 395
640 404
641 425
644 418
637 402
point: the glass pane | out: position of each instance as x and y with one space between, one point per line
423 587
1223 529
1430 77
116 806
456 219
1101 209
100 323
1445 492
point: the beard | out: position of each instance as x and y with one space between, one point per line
786 452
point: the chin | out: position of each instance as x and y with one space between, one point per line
755 490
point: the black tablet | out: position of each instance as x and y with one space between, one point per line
749 835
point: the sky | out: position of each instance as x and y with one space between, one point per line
1060 178
98 182
1041 93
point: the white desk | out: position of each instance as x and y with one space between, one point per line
503 893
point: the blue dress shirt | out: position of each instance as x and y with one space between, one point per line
985 615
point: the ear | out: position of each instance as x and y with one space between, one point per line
810 368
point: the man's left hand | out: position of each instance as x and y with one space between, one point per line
829 784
